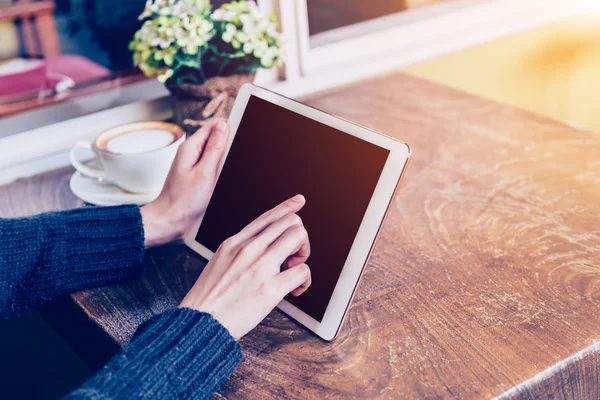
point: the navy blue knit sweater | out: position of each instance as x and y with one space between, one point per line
179 354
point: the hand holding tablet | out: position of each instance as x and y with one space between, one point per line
348 174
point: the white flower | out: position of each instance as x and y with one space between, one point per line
165 75
260 49
174 30
229 34
222 15
271 29
248 48
255 10
267 60
177 8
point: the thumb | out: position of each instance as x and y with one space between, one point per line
213 149
190 151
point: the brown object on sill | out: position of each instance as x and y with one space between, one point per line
196 104
11 105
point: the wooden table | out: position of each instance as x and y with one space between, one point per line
485 280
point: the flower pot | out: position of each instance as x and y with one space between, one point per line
195 104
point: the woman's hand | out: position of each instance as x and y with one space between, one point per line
188 187
243 281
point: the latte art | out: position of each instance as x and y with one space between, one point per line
140 141
136 156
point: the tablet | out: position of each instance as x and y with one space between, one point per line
348 174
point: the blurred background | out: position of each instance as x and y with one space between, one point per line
65 59
538 55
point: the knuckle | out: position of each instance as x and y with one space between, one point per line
295 219
246 251
228 244
292 219
299 231
212 147
260 273
268 290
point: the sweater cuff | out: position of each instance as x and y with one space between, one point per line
80 249
97 245
51 254
180 353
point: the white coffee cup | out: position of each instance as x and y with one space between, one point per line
137 156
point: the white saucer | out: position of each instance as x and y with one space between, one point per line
90 191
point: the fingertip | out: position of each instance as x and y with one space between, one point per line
218 135
306 274
299 291
296 203
221 128
299 199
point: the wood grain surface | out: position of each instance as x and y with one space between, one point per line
485 280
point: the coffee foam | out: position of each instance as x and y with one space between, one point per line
138 141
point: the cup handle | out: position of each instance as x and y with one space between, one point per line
82 168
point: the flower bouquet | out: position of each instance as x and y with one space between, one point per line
205 56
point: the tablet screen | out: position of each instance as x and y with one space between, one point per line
276 154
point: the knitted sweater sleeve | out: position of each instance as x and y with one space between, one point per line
179 354
55 253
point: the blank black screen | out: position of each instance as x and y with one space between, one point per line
277 154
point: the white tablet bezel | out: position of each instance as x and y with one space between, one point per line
372 220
